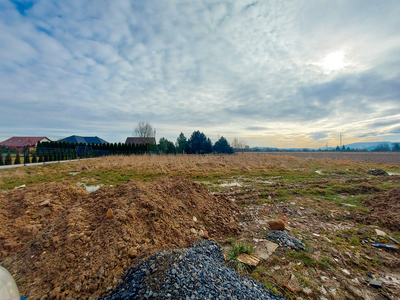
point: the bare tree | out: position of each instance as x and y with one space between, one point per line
236 144
144 129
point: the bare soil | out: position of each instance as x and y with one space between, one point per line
373 157
57 241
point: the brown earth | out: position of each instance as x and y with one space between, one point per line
58 241
374 157
384 209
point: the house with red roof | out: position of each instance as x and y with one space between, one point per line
23 141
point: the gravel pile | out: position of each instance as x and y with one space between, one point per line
278 236
188 273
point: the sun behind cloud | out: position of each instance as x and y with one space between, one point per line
334 61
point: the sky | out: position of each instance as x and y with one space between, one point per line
269 73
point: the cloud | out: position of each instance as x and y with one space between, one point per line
242 69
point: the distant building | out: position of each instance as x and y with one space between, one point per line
140 140
85 140
23 141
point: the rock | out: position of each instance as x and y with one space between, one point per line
201 233
345 271
380 232
277 225
375 283
78 286
206 236
45 202
55 293
42 213
192 230
378 172
132 252
307 290
195 219
100 272
110 214
265 249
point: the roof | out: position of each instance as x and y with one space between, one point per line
140 140
21 141
85 140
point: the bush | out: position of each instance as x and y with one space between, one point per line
27 159
8 160
17 160
34 158
41 157
1 159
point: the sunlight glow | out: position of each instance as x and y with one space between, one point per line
334 61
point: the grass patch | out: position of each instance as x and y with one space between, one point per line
237 249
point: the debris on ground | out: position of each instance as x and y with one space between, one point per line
384 210
282 238
78 244
378 172
277 225
375 283
189 273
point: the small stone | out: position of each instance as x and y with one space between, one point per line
192 230
55 293
194 219
206 235
307 290
132 252
110 214
78 286
380 232
277 225
375 283
345 271
45 202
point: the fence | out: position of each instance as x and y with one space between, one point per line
45 154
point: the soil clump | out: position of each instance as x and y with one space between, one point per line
61 242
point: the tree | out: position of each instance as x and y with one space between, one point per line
396 147
1 158
382 148
8 160
337 148
166 146
17 160
34 157
27 159
182 145
144 129
199 143
236 144
222 146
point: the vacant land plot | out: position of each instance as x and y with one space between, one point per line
59 239
378 157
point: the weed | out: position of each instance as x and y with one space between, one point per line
269 285
235 251
303 256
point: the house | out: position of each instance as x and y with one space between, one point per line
140 140
85 140
23 141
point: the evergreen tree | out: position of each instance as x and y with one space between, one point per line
8 160
17 160
34 157
222 146
182 145
199 143
1 158
166 146
27 159
40 156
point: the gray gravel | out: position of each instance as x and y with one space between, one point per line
282 238
189 273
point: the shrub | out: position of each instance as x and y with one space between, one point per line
17 160
34 158
40 157
1 159
27 159
8 160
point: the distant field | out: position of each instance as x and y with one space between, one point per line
385 157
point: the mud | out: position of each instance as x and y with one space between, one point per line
56 238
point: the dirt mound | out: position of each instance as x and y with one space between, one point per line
384 210
57 238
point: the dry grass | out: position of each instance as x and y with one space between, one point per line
114 169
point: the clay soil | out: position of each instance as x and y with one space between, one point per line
57 241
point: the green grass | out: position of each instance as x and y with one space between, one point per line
237 249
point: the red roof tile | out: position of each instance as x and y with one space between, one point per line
21 141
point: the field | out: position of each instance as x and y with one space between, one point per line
57 240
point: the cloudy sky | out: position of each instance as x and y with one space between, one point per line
271 73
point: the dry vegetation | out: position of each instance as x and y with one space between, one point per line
117 169
334 206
